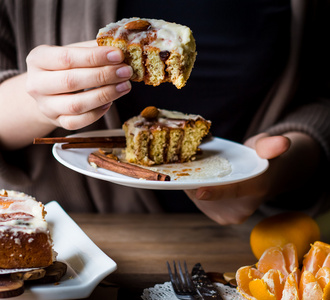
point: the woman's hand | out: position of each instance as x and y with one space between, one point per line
75 85
292 159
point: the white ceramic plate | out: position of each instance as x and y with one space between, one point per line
221 162
87 264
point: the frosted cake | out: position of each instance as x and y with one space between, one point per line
158 51
25 240
159 136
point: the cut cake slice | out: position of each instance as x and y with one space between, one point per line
25 240
160 136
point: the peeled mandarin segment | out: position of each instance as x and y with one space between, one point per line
275 282
323 276
290 291
326 292
291 257
260 290
323 245
314 259
273 258
244 276
326 262
309 288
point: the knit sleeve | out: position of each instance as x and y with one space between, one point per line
8 61
313 119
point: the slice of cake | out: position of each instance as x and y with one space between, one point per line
158 51
25 240
159 136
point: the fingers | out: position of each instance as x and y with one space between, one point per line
74 69
73 122
85 101
54 58
256 187
273 146
226 210
82 78
269 147
74 86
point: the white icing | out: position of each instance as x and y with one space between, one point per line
22 203
204 168
170 114
171 119
170 36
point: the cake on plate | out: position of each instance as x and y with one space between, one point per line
25 240
158 51
159 136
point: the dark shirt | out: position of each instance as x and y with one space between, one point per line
242 46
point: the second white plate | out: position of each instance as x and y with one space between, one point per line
87 264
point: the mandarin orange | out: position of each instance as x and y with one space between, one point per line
291 291
278 230
316 257
273 259
309 288
323 277
277 275
244 276
260 290
274 280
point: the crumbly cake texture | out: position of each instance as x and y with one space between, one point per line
25 240
162 136
158 51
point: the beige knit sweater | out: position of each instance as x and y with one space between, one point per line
26 24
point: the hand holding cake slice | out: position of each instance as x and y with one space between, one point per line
158 51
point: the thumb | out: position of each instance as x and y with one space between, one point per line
269 147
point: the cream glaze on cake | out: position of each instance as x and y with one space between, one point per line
163 35
170 137
21 213
25 240
166 118
158 51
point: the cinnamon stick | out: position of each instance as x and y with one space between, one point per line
127 169
102 139
94 145
84 142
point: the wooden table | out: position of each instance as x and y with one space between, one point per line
141 244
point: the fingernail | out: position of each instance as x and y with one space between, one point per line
204 195
106 106
123 72
123 86
114 56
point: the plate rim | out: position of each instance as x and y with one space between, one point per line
148 184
